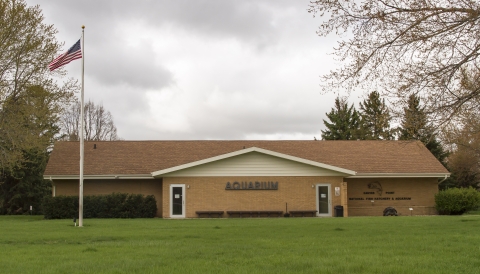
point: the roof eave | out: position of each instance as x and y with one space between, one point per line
98 177
400 175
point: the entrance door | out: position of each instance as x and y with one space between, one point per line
177 201
324 203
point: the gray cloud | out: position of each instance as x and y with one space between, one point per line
281 115
204 69
134 66
244 20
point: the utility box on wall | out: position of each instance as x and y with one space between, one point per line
337 191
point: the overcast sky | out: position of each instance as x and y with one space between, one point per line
218 69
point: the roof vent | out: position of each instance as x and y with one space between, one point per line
94 146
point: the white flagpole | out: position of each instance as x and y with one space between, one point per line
80 195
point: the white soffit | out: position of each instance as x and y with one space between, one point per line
337 170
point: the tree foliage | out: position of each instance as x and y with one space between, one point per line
30 103
30 120
24 185
415 126
343 123
464 139
414 121
404 47
464 166
27 45
98 123
374 118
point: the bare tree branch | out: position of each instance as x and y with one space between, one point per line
405 47
99 125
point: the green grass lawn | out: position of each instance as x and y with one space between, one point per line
437 244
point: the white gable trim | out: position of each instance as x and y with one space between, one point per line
248 150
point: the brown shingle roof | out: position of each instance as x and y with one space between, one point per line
144 157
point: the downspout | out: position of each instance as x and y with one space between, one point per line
53 187
446 177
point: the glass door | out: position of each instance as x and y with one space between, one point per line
324 203
177 201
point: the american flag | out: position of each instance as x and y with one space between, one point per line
75 52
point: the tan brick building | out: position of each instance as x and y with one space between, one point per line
256 178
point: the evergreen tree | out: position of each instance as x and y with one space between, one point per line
24 185
343 122
414 120
414 126
374 119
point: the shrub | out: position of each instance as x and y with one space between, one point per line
149 207
456 201
115 205
60 207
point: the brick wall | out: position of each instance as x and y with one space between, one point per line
208 193
98 187
402 194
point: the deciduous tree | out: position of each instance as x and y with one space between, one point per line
30 122
98 121
403 47
30 103
464 138
27 45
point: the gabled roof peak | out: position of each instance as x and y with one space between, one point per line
250 150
